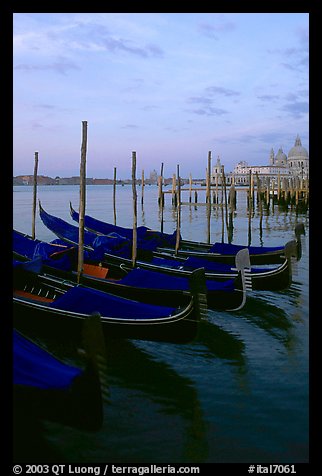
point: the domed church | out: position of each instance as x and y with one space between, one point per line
295 164
298 159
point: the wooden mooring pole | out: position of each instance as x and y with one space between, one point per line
160 199
142 185
178 211
82 200
161 196
135 218
114 195
208 179
225 196
173 191
34 203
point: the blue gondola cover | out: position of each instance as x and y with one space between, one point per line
35 367
87 300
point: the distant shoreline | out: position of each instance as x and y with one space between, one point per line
24 180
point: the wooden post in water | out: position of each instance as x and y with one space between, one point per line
114 195
34 203
161 196
142 185
268 187
190 188
252 188
208 195
250 207
260 204
208 208
278 186
222 218
173 191
232 197
135 219
216 181
82 201
225 196
273 194
208 179
178 211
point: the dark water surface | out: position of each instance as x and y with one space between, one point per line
237 393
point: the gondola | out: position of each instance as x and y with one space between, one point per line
60 259
47 388
118 252
41 301
163 244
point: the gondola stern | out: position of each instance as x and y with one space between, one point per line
243 266
95 349
291 253
198 289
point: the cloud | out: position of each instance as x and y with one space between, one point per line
200 100
94 36
83 36
121 45
273 138
212 30
215 90
296 108
298 65
149 107
295 58
268 97
207 99
130 126
61 66
303 35
246 138
44 106
210 111
36 125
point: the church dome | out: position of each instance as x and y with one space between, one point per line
280 157
298 151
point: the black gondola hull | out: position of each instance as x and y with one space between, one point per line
27 317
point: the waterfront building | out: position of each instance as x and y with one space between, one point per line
295 165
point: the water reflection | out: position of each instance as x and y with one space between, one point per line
195 402
272 319
220 344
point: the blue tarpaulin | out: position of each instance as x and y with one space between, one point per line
87 300
35 367
146 279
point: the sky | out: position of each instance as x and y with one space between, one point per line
169 86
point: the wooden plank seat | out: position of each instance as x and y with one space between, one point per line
34 297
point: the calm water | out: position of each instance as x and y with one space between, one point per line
237 393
